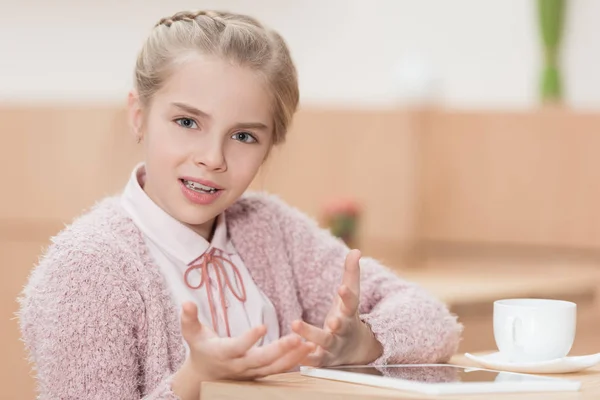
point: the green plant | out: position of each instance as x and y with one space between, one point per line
551 20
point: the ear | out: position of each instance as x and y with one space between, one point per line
135 115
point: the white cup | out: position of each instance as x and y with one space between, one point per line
530 330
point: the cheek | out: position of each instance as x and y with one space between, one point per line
244 167
161 144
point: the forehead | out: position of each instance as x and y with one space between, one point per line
220 89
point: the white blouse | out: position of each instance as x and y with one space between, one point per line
175 247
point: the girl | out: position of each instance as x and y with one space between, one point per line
184 277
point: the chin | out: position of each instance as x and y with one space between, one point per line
195 215
197 222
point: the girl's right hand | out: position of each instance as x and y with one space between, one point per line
216 358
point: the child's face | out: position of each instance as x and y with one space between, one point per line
210 123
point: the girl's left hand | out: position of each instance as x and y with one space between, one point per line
344 338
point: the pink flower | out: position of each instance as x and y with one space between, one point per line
341 206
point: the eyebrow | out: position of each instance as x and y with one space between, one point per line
192 110
252 125
199 113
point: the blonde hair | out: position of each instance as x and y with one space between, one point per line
234 37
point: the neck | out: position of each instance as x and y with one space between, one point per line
206 230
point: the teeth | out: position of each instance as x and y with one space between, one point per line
198 187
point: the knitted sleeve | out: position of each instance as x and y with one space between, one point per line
411 324
80 322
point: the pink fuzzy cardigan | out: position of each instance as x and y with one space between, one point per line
98 320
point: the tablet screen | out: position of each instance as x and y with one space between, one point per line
440 374
441 378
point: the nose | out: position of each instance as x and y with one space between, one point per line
211 155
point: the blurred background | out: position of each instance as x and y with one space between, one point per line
455 141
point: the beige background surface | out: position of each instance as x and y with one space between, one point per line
439 188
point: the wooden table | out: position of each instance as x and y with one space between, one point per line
470 281
294 386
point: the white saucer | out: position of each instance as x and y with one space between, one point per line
563 365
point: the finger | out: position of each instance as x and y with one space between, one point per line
286 362
334 324
349 303
318 336
191 328
314 359
266 355
239 346
351 278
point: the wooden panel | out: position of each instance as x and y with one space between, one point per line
512 178
56 162
365 154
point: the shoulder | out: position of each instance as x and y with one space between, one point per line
105 231
96 247
267 207
105 224
260 216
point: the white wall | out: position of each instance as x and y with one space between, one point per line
484 53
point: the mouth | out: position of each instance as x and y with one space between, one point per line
199 187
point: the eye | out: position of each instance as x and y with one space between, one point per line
244 137
186 123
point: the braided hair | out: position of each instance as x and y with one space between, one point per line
234 37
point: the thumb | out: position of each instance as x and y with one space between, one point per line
191 328
351 276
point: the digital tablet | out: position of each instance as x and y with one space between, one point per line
438 379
